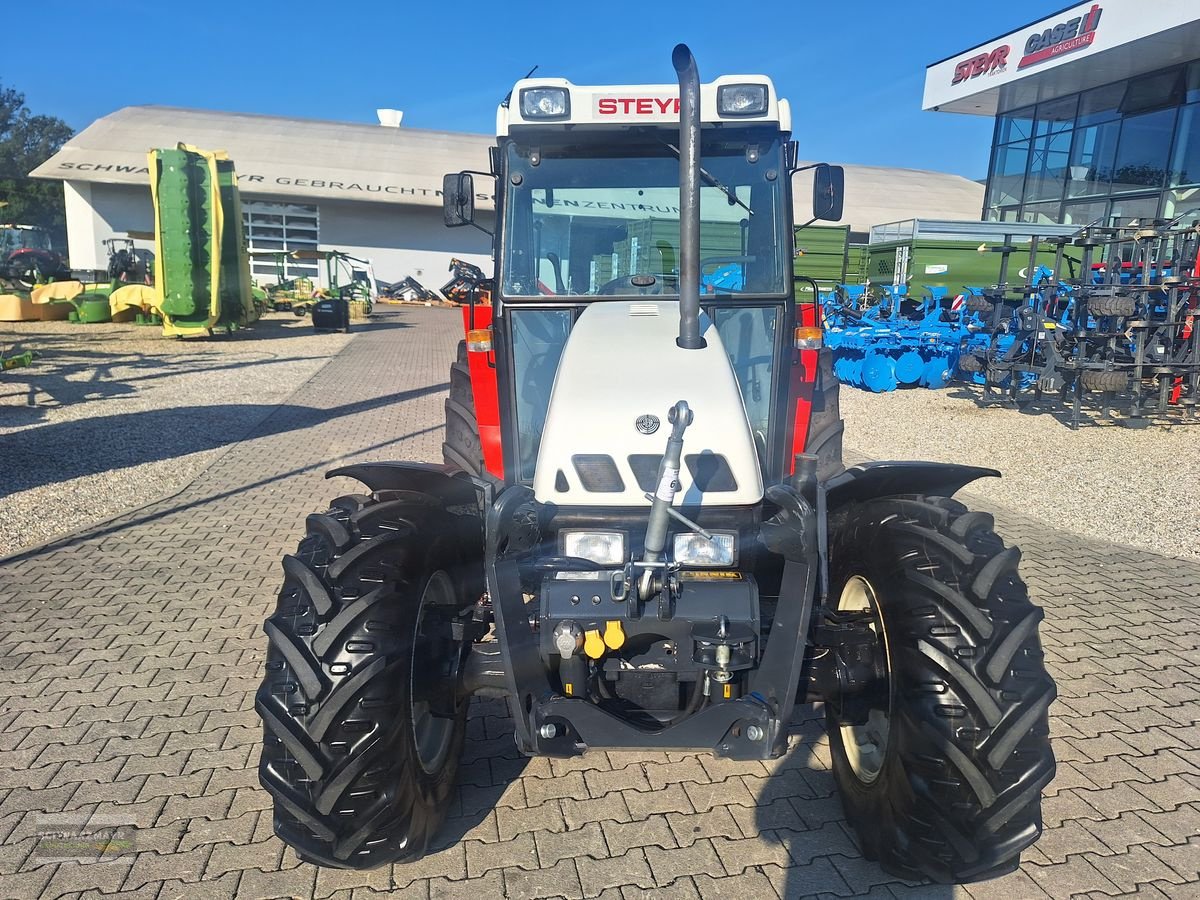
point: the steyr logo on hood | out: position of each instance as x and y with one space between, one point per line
647 424
1065 37
984 63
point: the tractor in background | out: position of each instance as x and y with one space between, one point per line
28 258
408 288
467 284
288 294
643 536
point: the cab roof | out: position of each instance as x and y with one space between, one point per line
619 106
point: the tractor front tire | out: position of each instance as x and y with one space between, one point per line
943 780
363 722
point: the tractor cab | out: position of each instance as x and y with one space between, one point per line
27 255
23 237
588 214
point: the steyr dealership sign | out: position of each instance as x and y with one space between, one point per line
983 64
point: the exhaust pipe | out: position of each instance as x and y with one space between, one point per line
689 198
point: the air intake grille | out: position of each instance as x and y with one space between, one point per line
598 473
645 469
710 472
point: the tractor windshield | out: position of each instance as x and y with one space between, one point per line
13 239
590 219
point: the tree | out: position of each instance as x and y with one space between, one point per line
27 141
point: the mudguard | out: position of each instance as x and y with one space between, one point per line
447 483
867 481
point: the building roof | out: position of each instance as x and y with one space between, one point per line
319 159
876 194
310 158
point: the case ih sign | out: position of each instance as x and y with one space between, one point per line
1065 37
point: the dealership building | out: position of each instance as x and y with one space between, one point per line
373 191
1097 112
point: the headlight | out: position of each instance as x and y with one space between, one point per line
693 549
605 548
545 103
742 99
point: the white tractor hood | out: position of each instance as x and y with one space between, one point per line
620 368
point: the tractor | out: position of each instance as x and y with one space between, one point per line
642 535
28 257
126 263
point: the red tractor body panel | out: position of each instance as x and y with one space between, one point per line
485 392
803 383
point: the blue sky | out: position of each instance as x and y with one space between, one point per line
854 71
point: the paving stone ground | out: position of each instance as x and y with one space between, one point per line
129 657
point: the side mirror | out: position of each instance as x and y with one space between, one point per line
829 189
458 200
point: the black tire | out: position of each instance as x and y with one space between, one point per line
462 447
825 424
1119 307
976 303
969 362
957 791
356 644
1103 380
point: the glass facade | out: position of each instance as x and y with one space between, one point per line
1117 152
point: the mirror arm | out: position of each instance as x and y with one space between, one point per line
806 168
492 175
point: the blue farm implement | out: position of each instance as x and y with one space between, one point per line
1119 322
897 340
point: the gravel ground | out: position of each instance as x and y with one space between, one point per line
1134 487
110 417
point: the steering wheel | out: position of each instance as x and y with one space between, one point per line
633 284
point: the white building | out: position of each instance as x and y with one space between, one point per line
369 190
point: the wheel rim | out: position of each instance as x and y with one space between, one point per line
433 650
866 745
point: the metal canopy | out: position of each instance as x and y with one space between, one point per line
949 230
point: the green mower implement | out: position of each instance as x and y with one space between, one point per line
200 266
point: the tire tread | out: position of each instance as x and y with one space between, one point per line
346 792
964 779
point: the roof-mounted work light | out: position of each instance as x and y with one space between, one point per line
742 99
545 103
